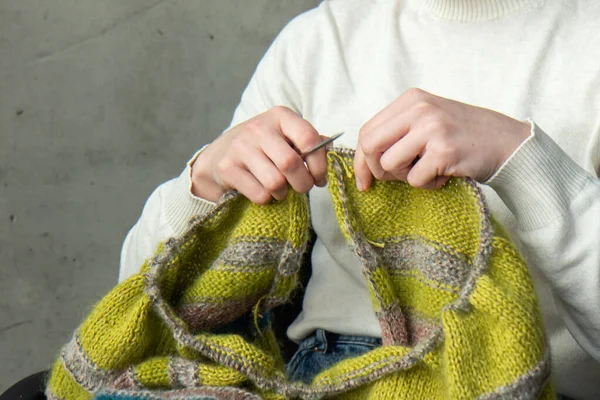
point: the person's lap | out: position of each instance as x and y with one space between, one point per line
322 350
315 353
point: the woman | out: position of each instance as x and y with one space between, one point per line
353 66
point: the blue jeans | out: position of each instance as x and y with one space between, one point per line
322 350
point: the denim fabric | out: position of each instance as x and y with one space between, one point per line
322 350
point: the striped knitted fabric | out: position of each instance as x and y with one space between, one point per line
455 302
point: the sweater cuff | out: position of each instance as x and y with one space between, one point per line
538 181
181 205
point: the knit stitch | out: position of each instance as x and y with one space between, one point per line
454 299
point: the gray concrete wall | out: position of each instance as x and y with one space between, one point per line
100 102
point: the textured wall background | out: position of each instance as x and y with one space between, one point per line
100 102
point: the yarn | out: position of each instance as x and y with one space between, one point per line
454 299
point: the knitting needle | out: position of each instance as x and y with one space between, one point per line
323 143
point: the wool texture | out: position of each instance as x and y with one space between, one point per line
454 299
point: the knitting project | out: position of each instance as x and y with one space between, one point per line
454 299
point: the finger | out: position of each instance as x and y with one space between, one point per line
374 164
317 166
436 183
321 182
379 141
244 182
385 135
403 155
425 173
404 102
303 136
267 173
364 178
287 161
441 181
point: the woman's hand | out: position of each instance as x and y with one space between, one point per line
425 139
260 157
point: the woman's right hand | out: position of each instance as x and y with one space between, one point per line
260 158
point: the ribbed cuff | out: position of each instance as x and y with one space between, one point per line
180 204
539 181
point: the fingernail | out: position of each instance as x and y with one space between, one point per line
359 184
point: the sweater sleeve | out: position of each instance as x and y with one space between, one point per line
557 206
165 214
172 205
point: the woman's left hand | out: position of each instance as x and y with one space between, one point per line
425 139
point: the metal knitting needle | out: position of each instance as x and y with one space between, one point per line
323 143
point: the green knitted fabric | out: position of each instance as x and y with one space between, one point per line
454 299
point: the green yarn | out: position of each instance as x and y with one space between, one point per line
454 299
